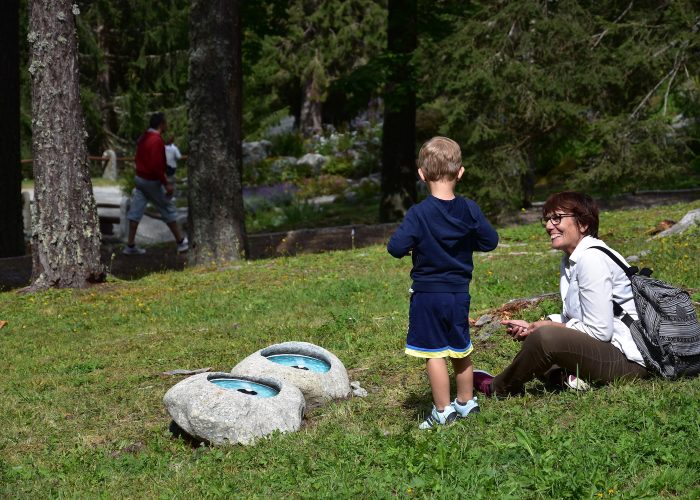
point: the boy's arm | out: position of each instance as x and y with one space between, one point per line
486 236
404 239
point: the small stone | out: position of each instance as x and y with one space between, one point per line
323 200
644 253
313 160
255 152
632 258
355 384
360 393
181 371
485 335
483 320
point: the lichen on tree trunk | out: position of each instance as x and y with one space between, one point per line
216 217
65 229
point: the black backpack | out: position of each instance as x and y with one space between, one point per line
667 332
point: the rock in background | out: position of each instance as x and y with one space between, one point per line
318 388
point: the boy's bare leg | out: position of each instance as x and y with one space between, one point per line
439 382
464 374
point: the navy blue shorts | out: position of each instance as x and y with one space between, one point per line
438 325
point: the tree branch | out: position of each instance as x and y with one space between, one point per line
600 35
672 75
651 93
668 89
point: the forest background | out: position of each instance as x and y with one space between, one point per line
601 96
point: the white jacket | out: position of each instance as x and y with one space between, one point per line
589 283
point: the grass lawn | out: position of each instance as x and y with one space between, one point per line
96 182
81 388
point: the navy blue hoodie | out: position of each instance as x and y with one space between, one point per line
441 236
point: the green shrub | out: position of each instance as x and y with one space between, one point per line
339 165
274 170
321 185
128 178
287 144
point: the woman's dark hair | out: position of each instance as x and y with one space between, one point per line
156 120
579 204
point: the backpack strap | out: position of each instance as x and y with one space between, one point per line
629 271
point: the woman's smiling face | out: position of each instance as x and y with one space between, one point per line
566 235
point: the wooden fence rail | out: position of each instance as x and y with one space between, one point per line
99 158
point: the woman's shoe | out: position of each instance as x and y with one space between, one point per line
482 382
576 384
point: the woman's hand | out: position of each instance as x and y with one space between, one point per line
542 322
517 328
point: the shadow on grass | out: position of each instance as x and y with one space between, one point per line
179 433
16 272
418 404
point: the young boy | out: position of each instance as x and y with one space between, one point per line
441 233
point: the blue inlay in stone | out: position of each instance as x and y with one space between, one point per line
300 362
246 387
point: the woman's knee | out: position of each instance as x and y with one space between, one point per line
543 338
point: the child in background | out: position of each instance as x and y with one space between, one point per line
441 233
172 155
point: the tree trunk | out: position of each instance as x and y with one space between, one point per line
104 84
11 227
398 186
65 230
310 120
216 217
527 178
311 108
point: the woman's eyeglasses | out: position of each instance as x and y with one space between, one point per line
555 218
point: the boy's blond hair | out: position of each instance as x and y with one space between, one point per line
440 158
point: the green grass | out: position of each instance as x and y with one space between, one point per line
304 215
96 181
81 391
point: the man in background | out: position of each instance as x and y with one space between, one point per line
152 185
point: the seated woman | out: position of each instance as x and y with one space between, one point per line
587 341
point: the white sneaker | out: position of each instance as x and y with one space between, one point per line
436 418
576 384
467 408
133 250
184 245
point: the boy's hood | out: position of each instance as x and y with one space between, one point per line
450 228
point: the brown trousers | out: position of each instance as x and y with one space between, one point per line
571 350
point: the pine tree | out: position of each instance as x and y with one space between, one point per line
66 237
314 45
578 93
216 216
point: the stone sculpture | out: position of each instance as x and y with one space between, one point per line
211 413
318 387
